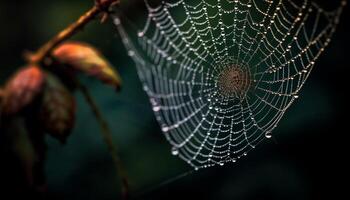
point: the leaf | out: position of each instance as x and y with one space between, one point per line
85 58
23 148
22 89
57 113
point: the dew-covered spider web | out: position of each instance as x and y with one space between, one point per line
220 74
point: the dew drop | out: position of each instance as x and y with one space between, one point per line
165 129
153 101
131 53
245 153
145 88
268 134
221 164
116 21
156 108
174 151
140 34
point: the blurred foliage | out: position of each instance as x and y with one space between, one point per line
302 161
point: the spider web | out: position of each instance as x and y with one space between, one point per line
185 45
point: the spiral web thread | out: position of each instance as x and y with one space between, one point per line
184 47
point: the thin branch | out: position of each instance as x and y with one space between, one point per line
101 6
107 136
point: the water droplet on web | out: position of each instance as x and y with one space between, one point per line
156 108
268 134
175 151
165 129
153 101
245 153
145 88
116 21
221 164
140 34
131 53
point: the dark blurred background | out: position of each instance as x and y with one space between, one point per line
304 160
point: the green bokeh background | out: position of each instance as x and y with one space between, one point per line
304 160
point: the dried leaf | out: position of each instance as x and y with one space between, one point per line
58 109
23 148
87 59
22 89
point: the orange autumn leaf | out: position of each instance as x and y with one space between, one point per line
57 113
22 89
85 58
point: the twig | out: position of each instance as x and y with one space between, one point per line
101 6
107 136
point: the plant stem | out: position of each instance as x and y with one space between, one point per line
107 136
101 6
